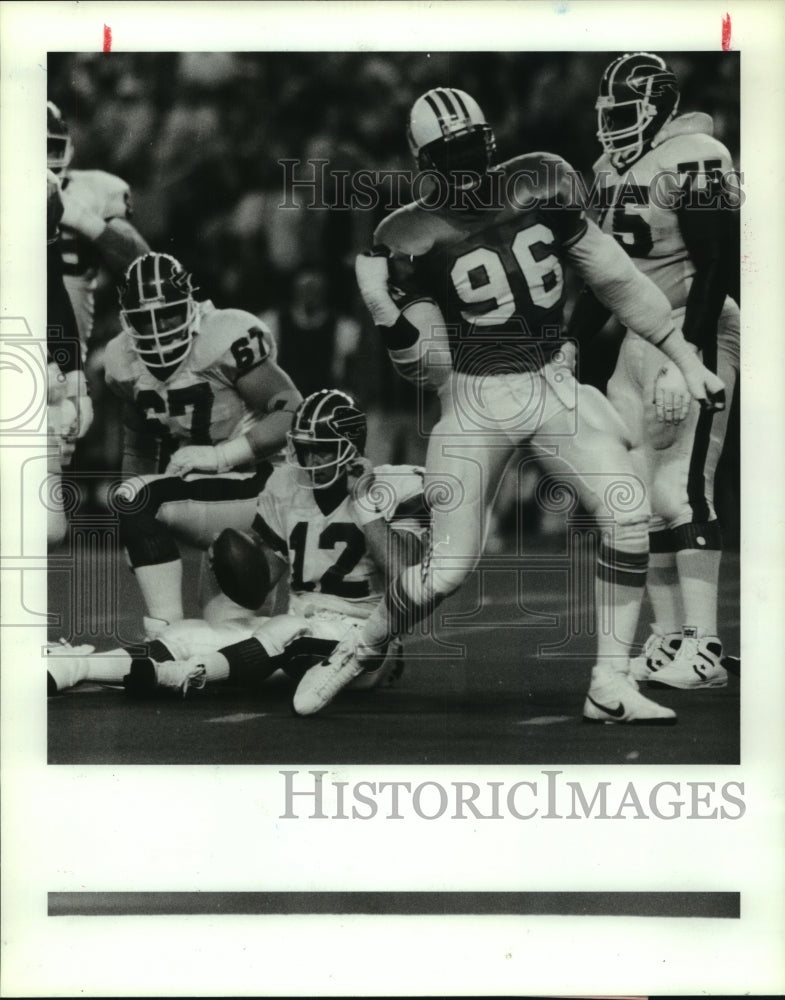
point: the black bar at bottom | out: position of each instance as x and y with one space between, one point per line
590 904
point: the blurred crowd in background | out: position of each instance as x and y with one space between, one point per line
200 138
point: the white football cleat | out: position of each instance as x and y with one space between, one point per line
146 678
386 674
615 700
658 652
323 681
697 665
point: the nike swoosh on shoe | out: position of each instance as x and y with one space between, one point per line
615 713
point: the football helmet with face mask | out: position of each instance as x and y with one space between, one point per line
327 436
448 132
639 94
158 310
59 148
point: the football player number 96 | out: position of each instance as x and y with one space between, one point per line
482 283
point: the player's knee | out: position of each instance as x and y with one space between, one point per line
619 562
669 502
443 581
624 505
276 634
631 534
146 541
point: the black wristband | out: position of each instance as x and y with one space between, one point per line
400 335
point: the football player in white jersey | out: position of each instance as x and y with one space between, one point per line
479 259
95 226
670 197
328 520
69 407
204 406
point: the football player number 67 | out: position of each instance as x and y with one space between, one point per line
483 284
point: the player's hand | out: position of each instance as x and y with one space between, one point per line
69 424
76 392
705 386
565 356
200 457
671 396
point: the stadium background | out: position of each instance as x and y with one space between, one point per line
199 137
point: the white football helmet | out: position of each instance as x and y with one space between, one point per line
447 132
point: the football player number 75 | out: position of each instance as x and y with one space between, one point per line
485 285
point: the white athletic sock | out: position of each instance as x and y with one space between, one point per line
699 573
664 590
216 665
377 627
108 668
162 589
617 611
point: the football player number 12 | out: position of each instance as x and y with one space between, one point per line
483 285
333 580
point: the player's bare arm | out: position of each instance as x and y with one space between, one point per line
642 307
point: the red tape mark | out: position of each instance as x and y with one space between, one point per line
726 33
107 38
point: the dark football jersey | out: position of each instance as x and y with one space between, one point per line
495 270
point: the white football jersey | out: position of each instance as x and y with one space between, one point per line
109 197
638 209
329 564
199 403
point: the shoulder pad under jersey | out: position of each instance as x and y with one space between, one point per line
694 123
107 195
544 177
692 148
236 339
281 484
410 230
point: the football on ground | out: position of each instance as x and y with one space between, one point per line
241 568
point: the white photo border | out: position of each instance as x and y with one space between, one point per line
218 828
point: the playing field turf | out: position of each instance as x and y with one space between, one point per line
495 694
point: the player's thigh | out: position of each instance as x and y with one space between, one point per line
682 480
462 476
626 387
204 512
194 637
591 453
